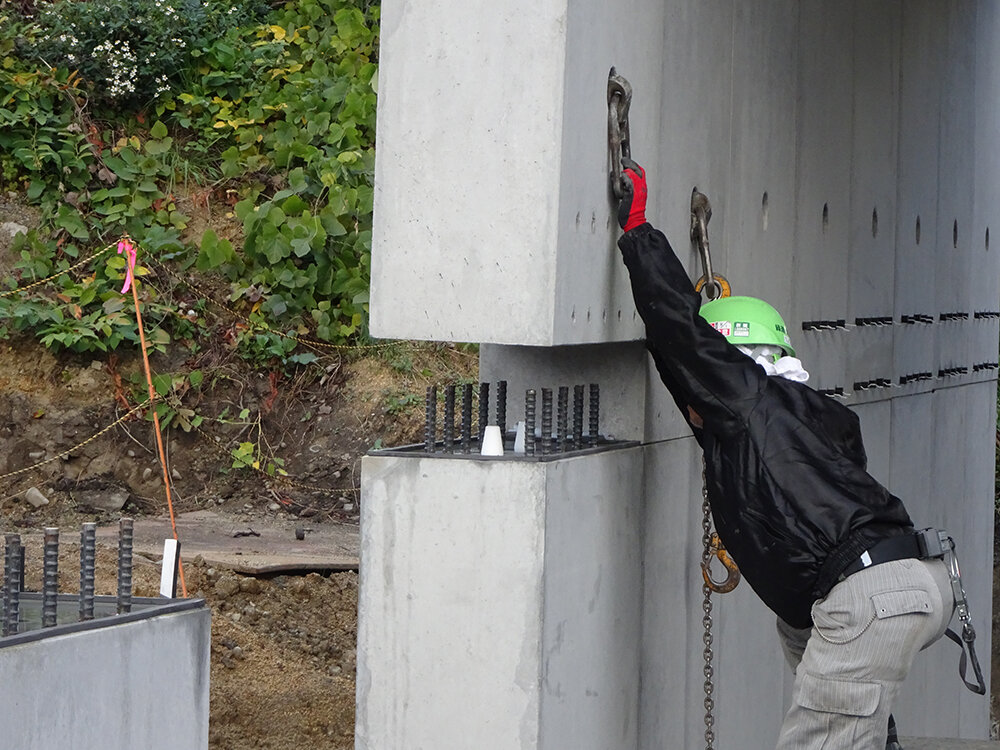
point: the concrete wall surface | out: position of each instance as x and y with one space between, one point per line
482 583
142 684
851 152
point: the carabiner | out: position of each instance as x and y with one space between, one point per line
717 549
619 101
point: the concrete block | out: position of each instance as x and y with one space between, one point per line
500 603
110 684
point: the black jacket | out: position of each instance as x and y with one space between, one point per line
787 481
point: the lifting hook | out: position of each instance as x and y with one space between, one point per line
714 284
716 548
619 101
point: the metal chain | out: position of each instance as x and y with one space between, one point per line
706 620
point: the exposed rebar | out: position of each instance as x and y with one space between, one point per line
12 583
502 406
50 578
546 420
562 419
466 437
88 551
577 416
484 409
448 429
125 535
529 422
595 414
430 418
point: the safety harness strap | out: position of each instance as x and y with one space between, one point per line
967 641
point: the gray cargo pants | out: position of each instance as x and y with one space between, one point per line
850 664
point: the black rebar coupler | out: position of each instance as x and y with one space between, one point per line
50 578
430 418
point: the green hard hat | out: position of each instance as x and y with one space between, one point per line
747 321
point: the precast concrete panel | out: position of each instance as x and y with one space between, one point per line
871 261
141 684
694 150
468 168
592 298
823 188
500 603
759 230
953 242
923 56
671 703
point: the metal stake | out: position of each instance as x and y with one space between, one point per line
546 420
529 422
449 419
50 578
595 414
484 409
88 553
124 565
430 418
502 406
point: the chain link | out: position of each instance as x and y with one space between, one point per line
706 620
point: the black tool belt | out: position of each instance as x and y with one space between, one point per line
893 548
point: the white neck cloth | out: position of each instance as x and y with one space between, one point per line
774 362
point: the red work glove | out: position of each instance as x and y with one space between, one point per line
632 209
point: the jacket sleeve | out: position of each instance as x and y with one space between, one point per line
696 363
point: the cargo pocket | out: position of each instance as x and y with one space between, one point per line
905 602
845 697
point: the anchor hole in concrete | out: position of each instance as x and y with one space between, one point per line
875 222
763 211
826 217
917 231
987 239
954 234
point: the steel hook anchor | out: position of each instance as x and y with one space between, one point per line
718 550
715 285
619 101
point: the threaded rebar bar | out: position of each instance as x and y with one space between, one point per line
578 416
546 420
595 414
88 553
12 583
562 420
484 409
430 418
529 422
448 429
502 406
125 538
50 578
466 417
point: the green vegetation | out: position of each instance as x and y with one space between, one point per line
111 121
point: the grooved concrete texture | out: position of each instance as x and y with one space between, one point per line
851 152
141 684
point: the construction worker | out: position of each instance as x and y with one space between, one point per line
823 544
